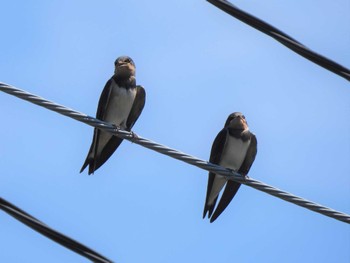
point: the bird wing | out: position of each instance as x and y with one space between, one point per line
137 107
250 156
101 110
215 157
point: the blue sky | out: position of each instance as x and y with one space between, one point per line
197 65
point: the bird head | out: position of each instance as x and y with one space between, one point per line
236 121
124 67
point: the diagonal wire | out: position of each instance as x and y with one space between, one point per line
175 154
40 227
281 37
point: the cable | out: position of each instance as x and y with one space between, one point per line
40 227
281 37
174 153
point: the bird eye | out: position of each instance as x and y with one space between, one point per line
127 60
243 116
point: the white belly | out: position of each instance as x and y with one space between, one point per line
232 157
119 105
234 153
118 109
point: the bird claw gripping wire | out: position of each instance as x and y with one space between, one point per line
244 177
133 136
116 128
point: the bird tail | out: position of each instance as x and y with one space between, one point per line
89 161
230 191
209 208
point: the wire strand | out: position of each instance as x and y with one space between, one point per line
40 227
281 37
175 154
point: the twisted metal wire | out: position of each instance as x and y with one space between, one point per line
230 175
281 37
40 227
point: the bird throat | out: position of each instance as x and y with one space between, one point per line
127 82
239 133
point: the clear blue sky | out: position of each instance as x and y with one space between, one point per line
197 65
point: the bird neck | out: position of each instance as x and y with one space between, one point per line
126 82
243 134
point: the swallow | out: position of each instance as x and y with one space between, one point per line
121 103
235 148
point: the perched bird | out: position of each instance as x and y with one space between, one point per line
234 148
121 104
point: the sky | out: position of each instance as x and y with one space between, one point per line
197 65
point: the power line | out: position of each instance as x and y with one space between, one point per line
174 153
281 37
40 227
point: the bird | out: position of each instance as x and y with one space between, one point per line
121 103
235 148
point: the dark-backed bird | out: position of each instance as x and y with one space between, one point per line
234 148
120 104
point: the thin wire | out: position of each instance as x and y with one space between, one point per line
40 227
174 153
281 37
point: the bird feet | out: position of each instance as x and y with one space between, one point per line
117 128
133 136
245 177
